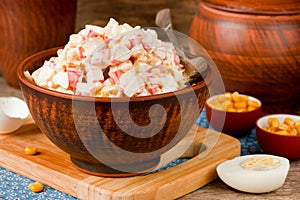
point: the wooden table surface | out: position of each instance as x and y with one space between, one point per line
217 189
143 13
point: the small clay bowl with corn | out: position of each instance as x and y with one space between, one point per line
233 113
279 134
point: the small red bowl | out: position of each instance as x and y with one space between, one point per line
233 123
281 145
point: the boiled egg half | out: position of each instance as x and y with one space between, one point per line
257 173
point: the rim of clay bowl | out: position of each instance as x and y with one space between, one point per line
51 52
271 7
263 121
250 98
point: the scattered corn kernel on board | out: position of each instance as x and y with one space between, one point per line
52 166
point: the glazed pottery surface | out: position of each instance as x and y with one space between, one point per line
29 26
86 127
256 47
254 6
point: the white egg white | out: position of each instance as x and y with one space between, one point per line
250 180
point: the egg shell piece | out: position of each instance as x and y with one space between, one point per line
13 112
253 181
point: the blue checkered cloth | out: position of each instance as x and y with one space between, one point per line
15 187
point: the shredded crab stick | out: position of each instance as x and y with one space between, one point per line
113 61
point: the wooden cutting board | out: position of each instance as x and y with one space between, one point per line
52 166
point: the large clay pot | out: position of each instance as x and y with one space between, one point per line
29 26
256 47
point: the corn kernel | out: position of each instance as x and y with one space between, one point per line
287 127
288 121
244 98
282 132
29 150
240 110
221 99
36 187
235 96
231 109
240 105
273 122
250 108
284 127
293 131
227 95
273 129
253 103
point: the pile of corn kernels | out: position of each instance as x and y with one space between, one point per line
234 102
287 127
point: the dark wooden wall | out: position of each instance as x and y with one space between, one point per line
135 12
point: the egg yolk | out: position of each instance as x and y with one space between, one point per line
260 163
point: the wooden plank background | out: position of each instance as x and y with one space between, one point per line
139 12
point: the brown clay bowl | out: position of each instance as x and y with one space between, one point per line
257 53
233 123
282 145
113 137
